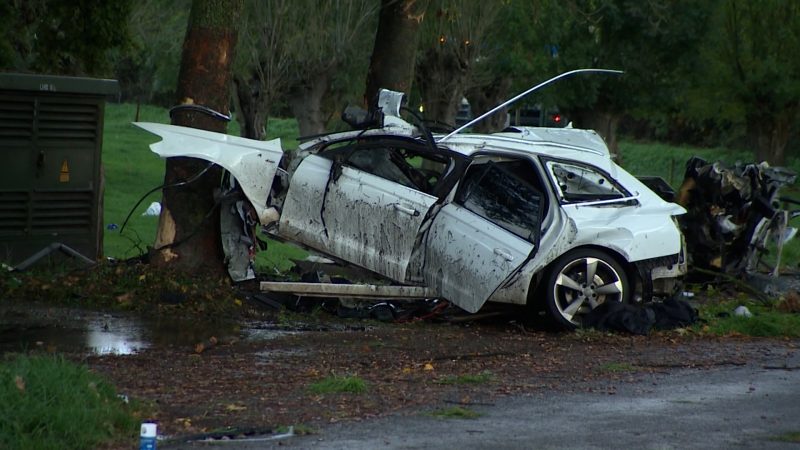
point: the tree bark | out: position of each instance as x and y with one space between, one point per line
251 106
394 54
188 237
769 135
306 104
484 98
441 79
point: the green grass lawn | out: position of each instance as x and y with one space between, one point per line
131 170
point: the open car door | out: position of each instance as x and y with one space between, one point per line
490 230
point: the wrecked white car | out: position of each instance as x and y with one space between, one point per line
536 216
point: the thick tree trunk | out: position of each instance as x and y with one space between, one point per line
769 137
394 54
251 108
188 236
306 104
484 98
441 78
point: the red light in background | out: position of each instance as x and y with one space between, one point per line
557 118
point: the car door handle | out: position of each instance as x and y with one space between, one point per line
406 209
504 254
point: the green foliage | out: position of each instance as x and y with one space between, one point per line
765 322
747 77
63 37
50 403
148 72
456 412
336 384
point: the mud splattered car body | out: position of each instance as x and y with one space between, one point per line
527 216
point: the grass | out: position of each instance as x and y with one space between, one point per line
455 412
478 378
767 321
50 403
793 436
336 384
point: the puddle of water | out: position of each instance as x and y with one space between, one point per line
74 330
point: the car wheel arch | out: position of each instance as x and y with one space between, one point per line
537 292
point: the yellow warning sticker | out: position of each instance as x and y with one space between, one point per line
63 177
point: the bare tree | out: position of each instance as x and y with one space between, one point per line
188 231
452 42
300 49
329 41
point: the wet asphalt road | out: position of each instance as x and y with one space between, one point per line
722 407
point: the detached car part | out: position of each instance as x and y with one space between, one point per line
735 215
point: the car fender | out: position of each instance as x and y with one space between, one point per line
253 163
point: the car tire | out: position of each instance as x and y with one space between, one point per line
580 280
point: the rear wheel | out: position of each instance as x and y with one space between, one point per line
581 280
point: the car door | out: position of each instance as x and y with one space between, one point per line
489 230
364 204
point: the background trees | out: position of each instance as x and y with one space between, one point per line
749 78
721 72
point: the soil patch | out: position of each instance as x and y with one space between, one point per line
264 385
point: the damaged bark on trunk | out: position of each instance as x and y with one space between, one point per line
393 57
188 237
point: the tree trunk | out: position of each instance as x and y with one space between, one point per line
394 54
306 104
770 135
251 108
188 236
484 98
441 79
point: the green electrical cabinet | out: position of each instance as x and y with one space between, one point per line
51 137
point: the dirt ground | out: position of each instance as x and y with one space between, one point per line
242 387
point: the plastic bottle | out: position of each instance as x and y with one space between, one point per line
147 437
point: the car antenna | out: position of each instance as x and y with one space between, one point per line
519 96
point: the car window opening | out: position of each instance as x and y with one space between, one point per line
503 193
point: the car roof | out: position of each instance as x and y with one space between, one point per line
565 143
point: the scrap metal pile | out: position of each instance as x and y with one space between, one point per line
734 215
